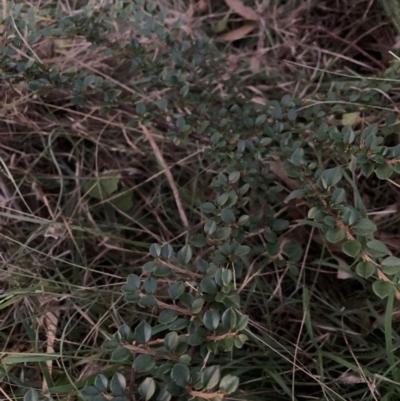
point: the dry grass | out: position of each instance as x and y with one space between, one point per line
64 255
301 40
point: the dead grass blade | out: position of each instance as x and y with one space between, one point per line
50 323
239 8
237 34
168 174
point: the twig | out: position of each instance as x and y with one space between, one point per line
145 350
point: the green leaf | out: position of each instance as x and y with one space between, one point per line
125 331
164 395
88 393
120 354
338 195
180 374
150 285
223 233
109 345
118 384
292 115
209 286
208 207
279 225
162 271
265 141
155 250
335 235
167 251
211 319
296 194
377 249
229 319
150 267
198 337
234 176
210 377
140 109
370 130
198 241
240 340
184 90
179 324
365 269
162 103
226 276
297 157
182 347
123 201
391 265
382 288
364 227
210 227
229 384
147 388
144 363
242 323
227 216
270 236
165 368
227 343
367 169
384 171
332 176
171 341
312 212
186 299
102 187
147 300
232 300
276 112
330 221
352 248
101 383
185 254
260 119
222 199
197 305
143 333
225 249
176 290
242 250
286 100
244 220
31 395
133 281
167 316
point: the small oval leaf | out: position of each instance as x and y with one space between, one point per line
180 374
382 288
143 333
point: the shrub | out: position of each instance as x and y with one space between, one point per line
272 158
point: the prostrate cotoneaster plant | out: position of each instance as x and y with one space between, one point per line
190 294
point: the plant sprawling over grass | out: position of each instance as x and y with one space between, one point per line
140 163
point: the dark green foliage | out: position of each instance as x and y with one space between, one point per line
199 316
